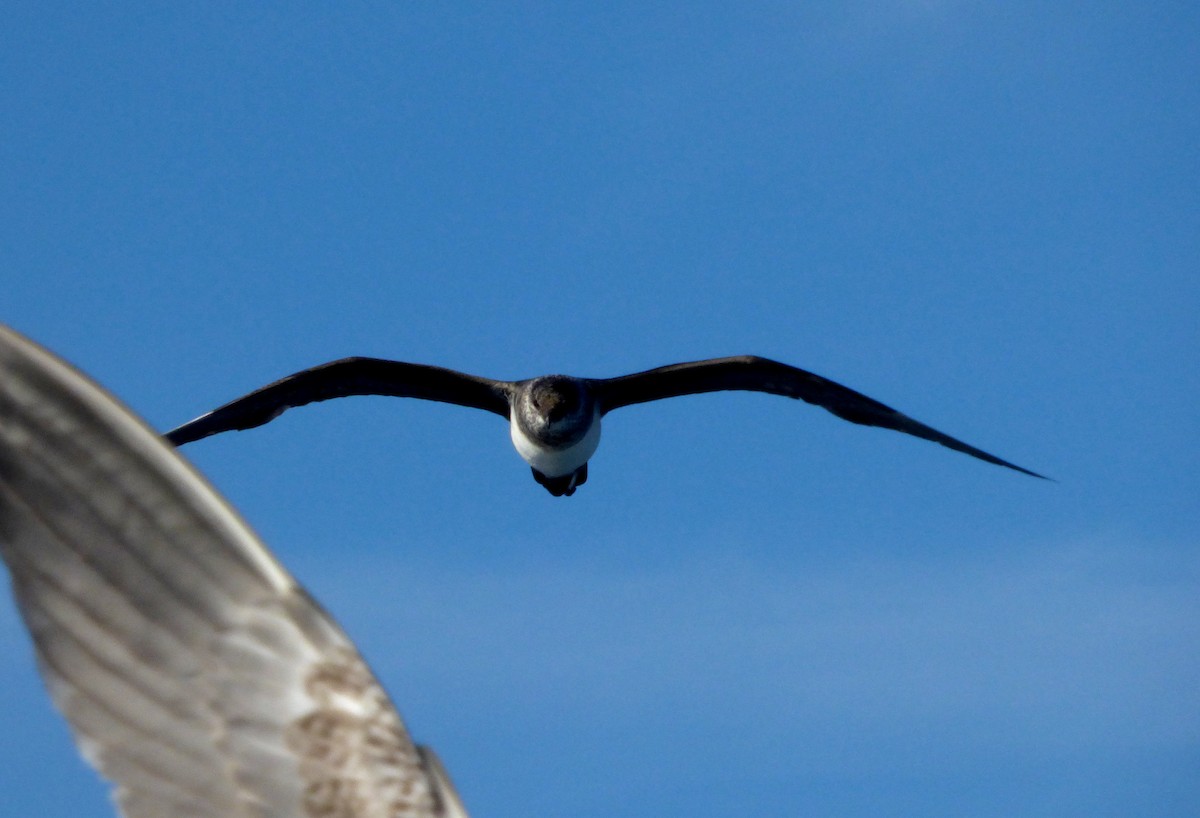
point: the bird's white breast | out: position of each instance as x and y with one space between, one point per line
556 462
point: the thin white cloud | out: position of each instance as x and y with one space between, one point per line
1060 650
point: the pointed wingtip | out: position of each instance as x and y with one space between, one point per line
179 435
1023 470
195 429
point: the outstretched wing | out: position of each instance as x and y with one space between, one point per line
196 675
341 379
753 374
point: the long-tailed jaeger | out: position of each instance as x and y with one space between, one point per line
197 676
554 420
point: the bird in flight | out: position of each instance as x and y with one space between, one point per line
554 420
197 675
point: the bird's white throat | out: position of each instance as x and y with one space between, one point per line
556 462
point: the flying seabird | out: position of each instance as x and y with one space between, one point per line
554 420
197 676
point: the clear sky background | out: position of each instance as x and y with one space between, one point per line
985 215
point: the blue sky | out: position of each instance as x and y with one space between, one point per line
985 215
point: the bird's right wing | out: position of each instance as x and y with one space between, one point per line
196 675
344 378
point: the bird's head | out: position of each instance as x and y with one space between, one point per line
555 410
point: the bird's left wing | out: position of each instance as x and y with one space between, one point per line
753 374
196 675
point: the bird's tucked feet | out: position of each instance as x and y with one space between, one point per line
564 485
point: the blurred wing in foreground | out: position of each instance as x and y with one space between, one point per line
196 675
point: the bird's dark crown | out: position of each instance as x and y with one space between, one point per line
556 397
555 409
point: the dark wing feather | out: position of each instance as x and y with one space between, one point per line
196 674
341 379
753 374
